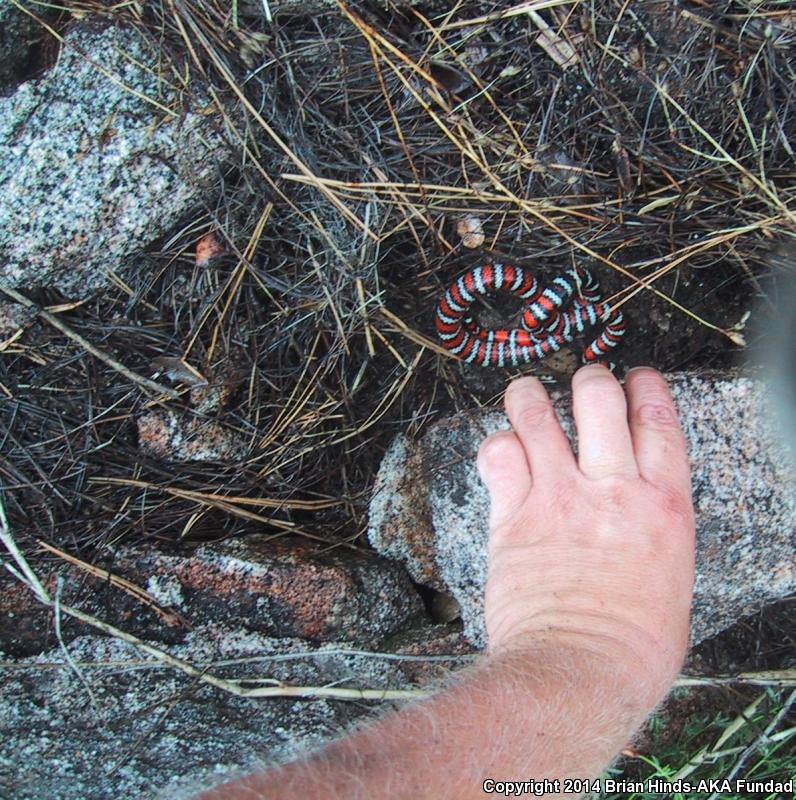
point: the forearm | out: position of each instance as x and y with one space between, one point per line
518 717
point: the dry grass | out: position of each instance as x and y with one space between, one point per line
653 142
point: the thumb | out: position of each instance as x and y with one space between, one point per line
504 469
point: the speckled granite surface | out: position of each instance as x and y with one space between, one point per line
128 728
429 507
99 158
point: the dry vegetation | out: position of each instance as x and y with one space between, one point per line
651 141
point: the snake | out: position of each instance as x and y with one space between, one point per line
552 317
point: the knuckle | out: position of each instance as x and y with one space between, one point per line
535 414
616 494
492 448
677 505
561 499
658 415
608 466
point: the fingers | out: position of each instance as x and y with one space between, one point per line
605 446
504 469
535 422
658 440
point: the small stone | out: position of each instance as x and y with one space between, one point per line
174 436
471 231
209 247
445 607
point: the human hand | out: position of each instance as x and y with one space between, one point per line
594 553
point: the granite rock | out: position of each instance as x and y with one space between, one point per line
14 318
429 507
99 158
292 589
101 718
295 589
178 436
126 727
18 34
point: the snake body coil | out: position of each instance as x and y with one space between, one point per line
552 317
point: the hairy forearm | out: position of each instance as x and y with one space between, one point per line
525 716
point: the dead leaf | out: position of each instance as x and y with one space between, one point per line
658 203
560 49
510 71
208 248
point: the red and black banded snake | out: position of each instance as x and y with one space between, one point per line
552 316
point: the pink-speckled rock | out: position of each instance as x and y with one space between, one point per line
178 436
154 733
429 507
274 587
284 589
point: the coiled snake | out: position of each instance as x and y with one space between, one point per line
552 317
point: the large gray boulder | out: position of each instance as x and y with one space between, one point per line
98 159
116 723
429 507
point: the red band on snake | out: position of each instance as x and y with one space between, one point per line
552 317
